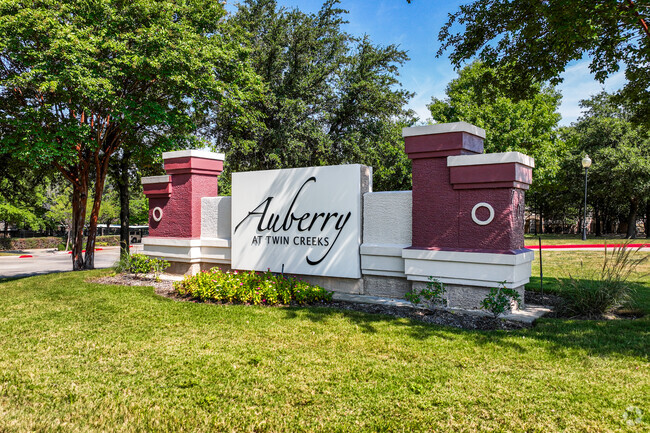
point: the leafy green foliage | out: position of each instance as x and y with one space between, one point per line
593 294
500 300
531 41
329 98
142 264
250 288
15 244
433 293
526 125
80 81
619 177
23 194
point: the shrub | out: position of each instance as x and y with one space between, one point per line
107 241
250 288
142 264
29 243
433 293
594 294
50 242
500 299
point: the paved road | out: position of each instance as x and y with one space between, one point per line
47 261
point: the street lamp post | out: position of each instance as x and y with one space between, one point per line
586 163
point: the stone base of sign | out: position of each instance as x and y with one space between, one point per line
208 266
466 297
194 251
383 259
183 268
473 269
386 287
353 286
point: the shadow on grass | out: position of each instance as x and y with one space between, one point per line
29 274
7 279
596 337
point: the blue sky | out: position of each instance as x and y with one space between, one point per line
414 27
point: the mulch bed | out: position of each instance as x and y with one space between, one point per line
455 319
438 317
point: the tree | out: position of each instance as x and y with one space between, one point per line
330 98
79 80
22 194
526 125
620 150
60 210
532 41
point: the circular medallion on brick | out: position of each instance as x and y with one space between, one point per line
488 207
157 214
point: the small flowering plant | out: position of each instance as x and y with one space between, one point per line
250 288
434 294
501 300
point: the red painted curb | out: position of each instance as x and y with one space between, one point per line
83 251
26 256
551 247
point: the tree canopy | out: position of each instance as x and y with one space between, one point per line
80 79
330 98
526 125
532 41
620 151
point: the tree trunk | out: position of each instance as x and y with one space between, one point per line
79 199
597 218
67 242
101 170
631 219
125 215
92 223
647 219
580 222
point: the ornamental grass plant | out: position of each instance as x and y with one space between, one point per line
593 294
250 288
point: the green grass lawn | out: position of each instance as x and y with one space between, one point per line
78 356
552 239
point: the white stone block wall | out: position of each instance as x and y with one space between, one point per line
386 231
215 217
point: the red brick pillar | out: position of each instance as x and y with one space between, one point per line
491 199
468 214
175 199
435 201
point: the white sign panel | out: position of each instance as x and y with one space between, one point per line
307 219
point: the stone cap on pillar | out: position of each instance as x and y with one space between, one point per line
443 139
193 162
492 170
157 186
